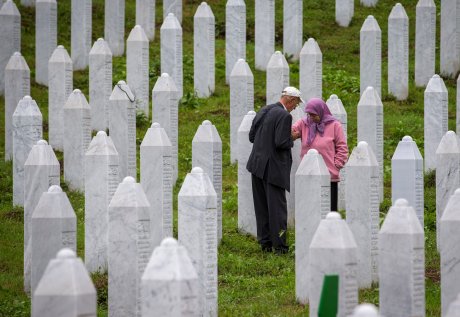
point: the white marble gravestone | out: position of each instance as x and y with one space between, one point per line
10 37
402 263
277 77
398 53
197 226
312 203
370 127
425 42
157 181
122 128
53 227
165 109
173 6
77 137
45 38
41 170
333 251
246 213
204 38
129 247
17 85
311 70
137 68
170 284
450 38
100 84
60 80
436 116
362 201
264 38
114 26
101 181
235 34
369 3
365 310
292 27
344 11
171 51
145 17
370 53
207 154
27 3
66 289
407 176
81 33
241 101
27 130
454 308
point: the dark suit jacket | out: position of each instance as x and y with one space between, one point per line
271 157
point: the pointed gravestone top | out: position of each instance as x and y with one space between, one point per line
17 62
76 100
370 25
401 219
454 308
171 22
54 204
407 150
370 97
129 188
452 207
362 155
336 105
101 145
425 3
311 47
342 236
312 164
398 12
365 310
197 183
27 107
277 61
448 144
204 11
100 47
436 84
9 8
207 132
137 34
41 154
156 136
122 92
60 55
165 83
241 69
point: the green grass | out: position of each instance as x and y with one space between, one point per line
250 283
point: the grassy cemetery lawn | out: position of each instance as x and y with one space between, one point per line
250 283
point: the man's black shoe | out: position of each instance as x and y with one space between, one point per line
266 248
281 251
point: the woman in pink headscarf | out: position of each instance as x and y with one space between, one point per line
321 131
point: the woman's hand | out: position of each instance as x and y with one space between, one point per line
295 134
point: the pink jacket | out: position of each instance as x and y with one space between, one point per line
332 146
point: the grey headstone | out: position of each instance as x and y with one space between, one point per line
173 6
365 310
362 201
197 226
333 251
370 55
145 17
235 34
454 308
157 181
60 81
101 181
81 31
137 67
402 263
425 42
241 101
292 27
436 116
344 11
114 26
45 38
122 128
66 289
312 177
450 38
311 70
17 85
27 3
277 77
171 51
10 37
170 284
264 32
369 3
27 130
398 53
129 247
53 227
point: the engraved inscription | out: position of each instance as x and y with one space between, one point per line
325 201
167 197
418 281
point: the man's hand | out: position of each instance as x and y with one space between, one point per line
295 135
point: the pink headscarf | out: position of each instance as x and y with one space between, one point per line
320 108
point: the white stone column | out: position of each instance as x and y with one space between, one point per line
114 26
264 32
312 203
362 200
369 3
246 213
292 27
425 42
204 39
81 31
137 67
277 77
450 38
145 17
311 70
10 37
65 289
53 227
27 3
436 116
171 51
101 181
17 85
235 34
157 181
197 226
402 263
27 130
334 254
129 247
45 38
344 11
122 128
398 53
454 308
241 101
60 87
365 310
370 53
170 284
173 6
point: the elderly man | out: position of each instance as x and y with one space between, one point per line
270 165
